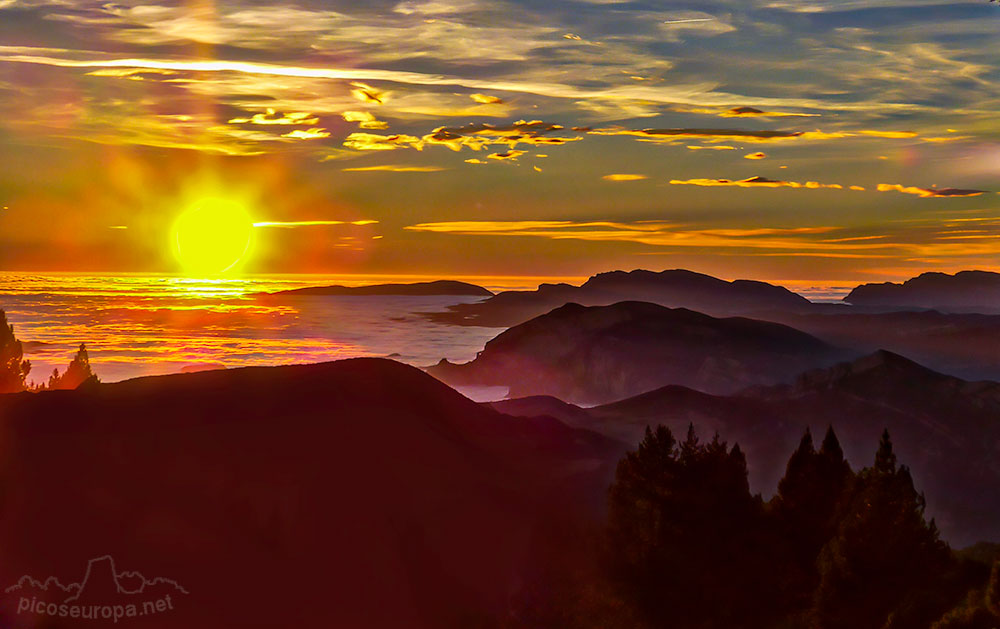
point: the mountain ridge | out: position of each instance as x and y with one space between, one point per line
596 354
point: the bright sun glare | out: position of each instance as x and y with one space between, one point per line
212 236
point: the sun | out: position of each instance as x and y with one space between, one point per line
212 236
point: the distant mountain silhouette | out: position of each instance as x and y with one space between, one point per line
963 345
967 291
676 288
439 287
361 493
602 353
946 428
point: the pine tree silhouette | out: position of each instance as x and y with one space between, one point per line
13 368
78 372
882 552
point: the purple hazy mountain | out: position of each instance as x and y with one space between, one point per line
966 291
602 353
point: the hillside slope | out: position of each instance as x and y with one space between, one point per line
357 493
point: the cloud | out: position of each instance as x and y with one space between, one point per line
712 148
929 192
757 155
271 117
315 133
374 142
478 136
752 112
135 74
483 99
474 136
395 169
756 182
746 135
655 233
365 120
368 94
508 155
293 224
892 135
682 24
623 177
531 81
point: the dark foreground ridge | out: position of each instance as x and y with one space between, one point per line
360 493
438 287
603 353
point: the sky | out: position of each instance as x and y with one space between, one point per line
819 140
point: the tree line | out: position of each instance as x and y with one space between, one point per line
686 545
14 368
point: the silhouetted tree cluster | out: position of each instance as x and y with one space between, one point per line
687 545
78 372
13 368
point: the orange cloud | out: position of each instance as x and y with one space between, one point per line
368 94
929 192
712 148
623 177
394 169
751 112
291 224
755 182
474 136
757 155
659 233
892 135
745 135
484 99
374 142
307 134
511 155
271 117
365 119
477 136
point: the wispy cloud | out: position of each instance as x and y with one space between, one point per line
315 133
759 182
655 233
746 135
395 169
365 120
623 177
929 192
271 117
293 224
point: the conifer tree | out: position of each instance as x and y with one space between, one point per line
883 549
684 533
13 368
78 372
